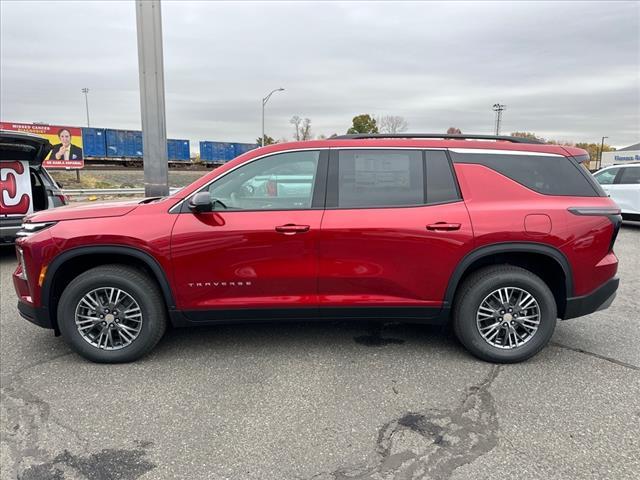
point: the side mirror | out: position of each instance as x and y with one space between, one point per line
200 202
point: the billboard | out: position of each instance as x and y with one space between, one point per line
66 141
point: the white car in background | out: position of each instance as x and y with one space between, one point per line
622 184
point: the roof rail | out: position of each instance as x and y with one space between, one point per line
357 136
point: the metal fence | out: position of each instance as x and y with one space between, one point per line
87 192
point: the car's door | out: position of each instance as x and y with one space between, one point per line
258 247
394 229
627 189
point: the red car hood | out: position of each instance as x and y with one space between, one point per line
76 212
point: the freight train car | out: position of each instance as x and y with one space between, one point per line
221 152
124 147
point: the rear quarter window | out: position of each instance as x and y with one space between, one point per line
630 175
546 174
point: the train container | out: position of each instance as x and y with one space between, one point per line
240 148
94 142
123 143
206 151
178 150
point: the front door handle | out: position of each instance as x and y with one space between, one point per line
292 229
443 227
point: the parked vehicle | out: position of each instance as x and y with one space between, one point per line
25 186
498 235
622 184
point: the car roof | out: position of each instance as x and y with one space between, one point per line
422 143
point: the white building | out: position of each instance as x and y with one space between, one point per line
624 155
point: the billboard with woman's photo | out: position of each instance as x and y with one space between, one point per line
66 141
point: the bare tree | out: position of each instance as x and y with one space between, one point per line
454 131
392 124
296 121
305 130
301 128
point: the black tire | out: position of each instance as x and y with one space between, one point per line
477 287
136 284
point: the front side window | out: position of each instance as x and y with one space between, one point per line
630 175
606 177
380 178
283 181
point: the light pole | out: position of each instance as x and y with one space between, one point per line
86 102
264 102
601 149
498 108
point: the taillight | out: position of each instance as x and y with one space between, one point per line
612 213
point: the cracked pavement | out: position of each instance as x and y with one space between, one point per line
329 401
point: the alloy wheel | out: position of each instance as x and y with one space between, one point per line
508 317
108 318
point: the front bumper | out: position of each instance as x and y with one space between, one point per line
36 315
601 298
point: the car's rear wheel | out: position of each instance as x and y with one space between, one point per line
504 314
112 314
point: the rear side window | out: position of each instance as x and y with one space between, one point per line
441 186
380 178
630 175
549 175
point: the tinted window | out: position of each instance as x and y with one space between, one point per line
279 182
380 178
630 175
551 175
606 177
441 185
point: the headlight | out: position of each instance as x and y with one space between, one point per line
31 228
23 266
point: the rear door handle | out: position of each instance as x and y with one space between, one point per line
443 226
292 229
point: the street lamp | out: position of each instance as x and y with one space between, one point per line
264 102
601 149
86 102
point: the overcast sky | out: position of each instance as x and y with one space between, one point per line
565 70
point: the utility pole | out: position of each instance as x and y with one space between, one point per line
86 103
151 73
498 108
264 102
601 150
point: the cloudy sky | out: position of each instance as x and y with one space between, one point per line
565 70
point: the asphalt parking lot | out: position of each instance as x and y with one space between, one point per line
326 401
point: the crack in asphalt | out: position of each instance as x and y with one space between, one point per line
433 443
27 424
596 355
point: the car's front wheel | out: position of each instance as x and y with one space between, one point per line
112 314
504 314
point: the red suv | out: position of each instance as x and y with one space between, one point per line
499 235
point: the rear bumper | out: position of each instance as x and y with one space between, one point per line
36 315
8 233
601 298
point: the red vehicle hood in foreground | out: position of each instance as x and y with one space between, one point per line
76 212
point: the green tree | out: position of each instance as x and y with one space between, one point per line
364 123
267 140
